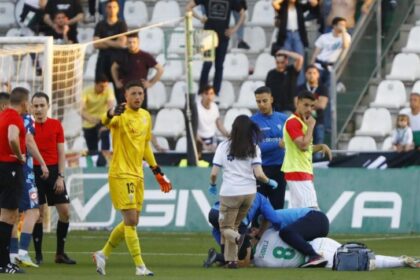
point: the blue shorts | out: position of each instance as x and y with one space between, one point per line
29 198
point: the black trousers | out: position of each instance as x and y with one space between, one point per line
275 196
313 225
92 137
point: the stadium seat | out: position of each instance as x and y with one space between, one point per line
177 41
86 35
196 22
13 32
265 62
7 68
362 144
416 87
79 144
72 121
163 143
226 95
177 97
156 96
387 144
173 69
181 145
231 115
405 67
255 37
90 67
152 40
135 13
169 123
197 66
263 13
236 67
7 14
413 42
246 97
390 94
165 10
376 122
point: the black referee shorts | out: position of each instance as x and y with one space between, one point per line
46 188
11 184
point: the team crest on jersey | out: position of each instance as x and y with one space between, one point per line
279 126
230 157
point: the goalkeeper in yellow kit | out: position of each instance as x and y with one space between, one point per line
131 134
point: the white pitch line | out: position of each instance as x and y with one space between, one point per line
381 238
127 254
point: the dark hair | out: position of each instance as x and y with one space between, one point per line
262 90
207 88
133 83
311 66
110 1
336 20
243 138
4 96
305 94
133 35
57 13
41 94
101 78
18 95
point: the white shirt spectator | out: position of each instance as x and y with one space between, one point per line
238 175
414 119
33 3
402 136
330 47
292 20
207 120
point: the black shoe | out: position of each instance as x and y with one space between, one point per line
39 259
243 45
63 258
11 269
211 258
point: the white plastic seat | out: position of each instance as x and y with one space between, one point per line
156 96
413 42
177 97
163 143
376 122
390 94
255 37
13 32
72 121
169 123
197 66
7 68
362 143
226 95
173 69
86 35
416 87
90 67
151 40
265 62
7 14
236 67
387 144
231 115
165 10
263 13
405 67
246 97
181 145
135 13
177 41
79 144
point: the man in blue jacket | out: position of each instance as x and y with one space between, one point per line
272 153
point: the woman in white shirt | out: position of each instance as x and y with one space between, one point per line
240 158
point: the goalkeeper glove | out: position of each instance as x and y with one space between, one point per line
212 189
273 184
164 183
119 109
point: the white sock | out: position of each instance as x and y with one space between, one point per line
22 252
13 257
388 262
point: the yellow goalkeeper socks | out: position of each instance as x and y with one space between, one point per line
133 244
114 239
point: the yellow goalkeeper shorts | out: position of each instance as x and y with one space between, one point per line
126 193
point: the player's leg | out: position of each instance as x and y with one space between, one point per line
302 194
388 262
14 244
63 210
29 219
38 232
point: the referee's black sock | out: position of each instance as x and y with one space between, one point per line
37 235
5 235
62 229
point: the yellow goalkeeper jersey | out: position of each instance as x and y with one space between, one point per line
131 133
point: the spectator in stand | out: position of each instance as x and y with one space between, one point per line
320 92
272 153
241 30
97 99
217 19
282 81
36 23
209 119
402 136
72 9
347 10
103 12
292 35
414 114
109 49
62 33
133 64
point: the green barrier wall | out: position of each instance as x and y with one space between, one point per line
355 200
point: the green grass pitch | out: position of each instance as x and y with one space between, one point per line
180 256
